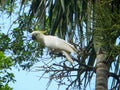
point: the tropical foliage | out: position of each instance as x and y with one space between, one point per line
92 26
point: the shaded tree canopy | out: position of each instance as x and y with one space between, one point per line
92 26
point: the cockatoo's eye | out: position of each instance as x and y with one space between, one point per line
36 34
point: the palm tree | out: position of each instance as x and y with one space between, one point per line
91 26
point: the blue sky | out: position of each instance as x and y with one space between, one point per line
30 81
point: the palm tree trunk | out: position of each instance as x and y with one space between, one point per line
101 73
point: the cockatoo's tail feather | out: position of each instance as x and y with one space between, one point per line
67 56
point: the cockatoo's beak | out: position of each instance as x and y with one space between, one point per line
33 37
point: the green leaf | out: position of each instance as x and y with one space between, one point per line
62 4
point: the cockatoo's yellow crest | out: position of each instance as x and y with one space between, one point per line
43 32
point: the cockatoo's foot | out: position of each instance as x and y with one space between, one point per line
55 52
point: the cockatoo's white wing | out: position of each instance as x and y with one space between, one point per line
57 43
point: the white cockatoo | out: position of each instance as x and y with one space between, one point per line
55 43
